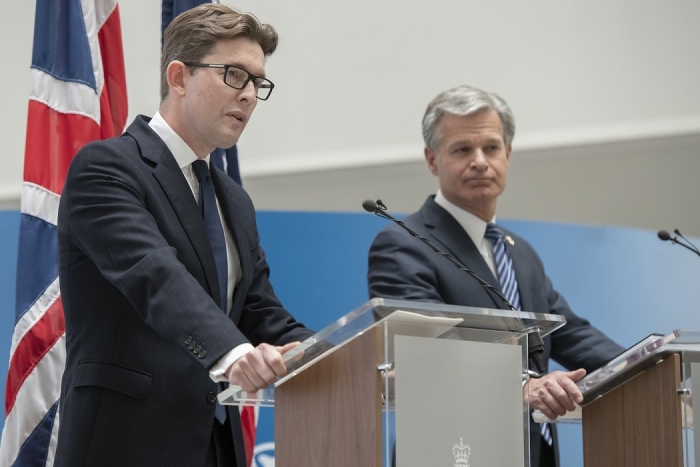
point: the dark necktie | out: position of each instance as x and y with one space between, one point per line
212 222
509 286
504 265
215 232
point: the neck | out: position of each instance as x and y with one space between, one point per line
484 211
172 117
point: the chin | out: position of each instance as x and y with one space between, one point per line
228 143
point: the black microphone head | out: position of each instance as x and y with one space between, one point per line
663 235
369 205
677 232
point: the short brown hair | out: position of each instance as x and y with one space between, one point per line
193 34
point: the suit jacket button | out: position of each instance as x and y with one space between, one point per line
192 345
211 397
188 340
197 349
202 354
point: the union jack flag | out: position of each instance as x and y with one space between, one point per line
77 95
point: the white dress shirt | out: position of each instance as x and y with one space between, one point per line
475 228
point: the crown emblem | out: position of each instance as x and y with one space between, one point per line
461 452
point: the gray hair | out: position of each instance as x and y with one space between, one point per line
463 101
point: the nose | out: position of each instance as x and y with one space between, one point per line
248 92
479 162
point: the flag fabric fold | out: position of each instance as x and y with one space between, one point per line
77 95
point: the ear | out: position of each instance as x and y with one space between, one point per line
509 149
430 159
176 75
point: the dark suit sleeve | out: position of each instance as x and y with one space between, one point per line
400 267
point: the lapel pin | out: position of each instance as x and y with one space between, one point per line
510 240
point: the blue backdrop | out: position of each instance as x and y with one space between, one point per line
626 281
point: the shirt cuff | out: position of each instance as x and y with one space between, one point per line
217 373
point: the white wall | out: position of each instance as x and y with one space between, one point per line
353 79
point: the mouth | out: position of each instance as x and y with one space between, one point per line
237 115
478 181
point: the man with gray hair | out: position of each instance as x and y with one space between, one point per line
468 136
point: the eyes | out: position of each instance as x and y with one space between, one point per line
491 149
237 77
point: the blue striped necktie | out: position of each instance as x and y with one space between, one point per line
215 232
509 286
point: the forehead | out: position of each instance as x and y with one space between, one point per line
481 125
241 51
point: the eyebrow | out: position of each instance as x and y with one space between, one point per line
488 141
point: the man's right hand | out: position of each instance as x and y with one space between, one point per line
260 367
556 393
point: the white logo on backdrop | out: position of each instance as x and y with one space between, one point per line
461 452
264 455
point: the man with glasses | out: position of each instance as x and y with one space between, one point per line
164 283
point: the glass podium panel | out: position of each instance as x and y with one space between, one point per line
451 378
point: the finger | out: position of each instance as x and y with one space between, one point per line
268 363
256 369
287 347
273 359
238 377
547 395
572 391
563 390
554 407
563 401
576 375
546 404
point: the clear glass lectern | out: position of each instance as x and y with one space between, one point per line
431 384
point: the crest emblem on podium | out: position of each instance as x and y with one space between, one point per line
461 452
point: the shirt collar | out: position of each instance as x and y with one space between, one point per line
474 226
184 155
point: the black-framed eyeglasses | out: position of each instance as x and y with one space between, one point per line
238 78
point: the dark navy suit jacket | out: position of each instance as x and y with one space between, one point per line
402 267
139 290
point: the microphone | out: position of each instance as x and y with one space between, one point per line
665 236
535 344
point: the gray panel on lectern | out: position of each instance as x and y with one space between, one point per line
456 399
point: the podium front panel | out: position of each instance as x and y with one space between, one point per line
458 403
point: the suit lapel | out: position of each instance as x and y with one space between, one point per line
447 232
173 183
